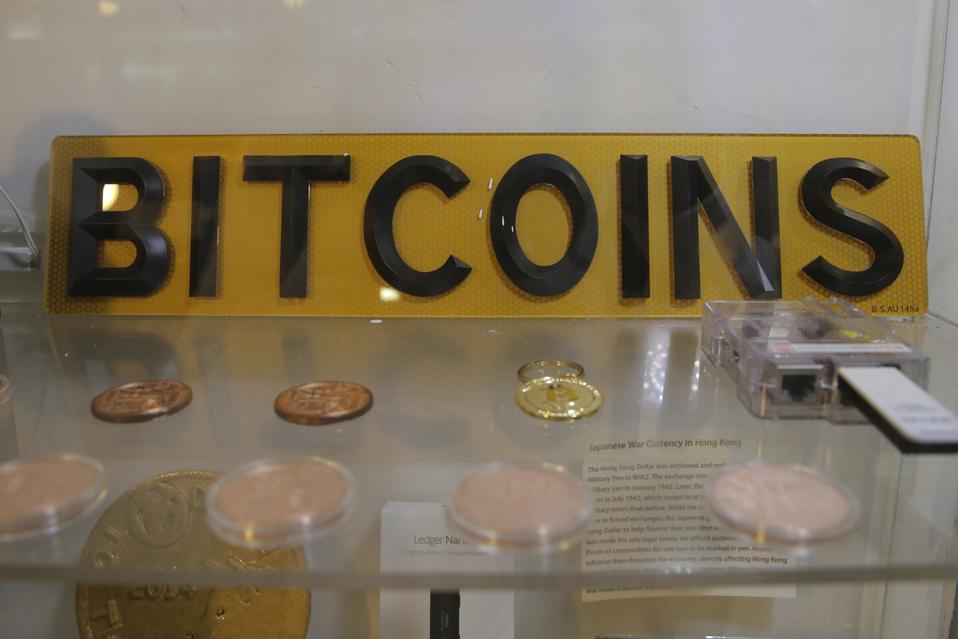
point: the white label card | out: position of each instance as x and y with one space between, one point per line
839 347
416 538
904 405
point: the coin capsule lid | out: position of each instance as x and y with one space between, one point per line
521 506
279 502
549 368
781 503
40 496
575 398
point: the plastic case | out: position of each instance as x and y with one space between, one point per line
785 355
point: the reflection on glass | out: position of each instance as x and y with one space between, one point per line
9 444
24 31
108 7
656 366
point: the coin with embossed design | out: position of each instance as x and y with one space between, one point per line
558 398
140 401
275 502
781 503
318 403
160 524
41 495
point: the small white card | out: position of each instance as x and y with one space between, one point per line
416 538
905 406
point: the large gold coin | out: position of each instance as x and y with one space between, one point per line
323 402
559 398
140 401
161 523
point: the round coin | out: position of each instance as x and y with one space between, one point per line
523 506
550 368
40 496
558 398
781 503
277 502
141 401
318 403
161 524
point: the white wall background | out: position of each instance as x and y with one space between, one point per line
243 66
943 225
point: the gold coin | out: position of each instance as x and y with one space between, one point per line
846 334
559 398
140 401
550 368
161 523
323 402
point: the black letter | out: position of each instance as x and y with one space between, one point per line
634 231
532 278
378 225
204 229
295 172
90 225
817 199
692 182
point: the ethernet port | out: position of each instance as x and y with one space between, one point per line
798 386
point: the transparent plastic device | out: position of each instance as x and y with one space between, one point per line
785 356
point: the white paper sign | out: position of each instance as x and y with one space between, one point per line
416 538
650 515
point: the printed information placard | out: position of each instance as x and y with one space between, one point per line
650 515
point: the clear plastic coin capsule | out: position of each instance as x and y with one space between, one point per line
781 503
279 502
41 496
532 507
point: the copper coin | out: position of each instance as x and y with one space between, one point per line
781 503
323 402
141 401
40 496
279 503
540 507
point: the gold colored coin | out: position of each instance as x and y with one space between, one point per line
846 334
141 401
559 398
161 523
323 402
550 368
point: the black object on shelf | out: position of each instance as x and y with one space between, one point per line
443 614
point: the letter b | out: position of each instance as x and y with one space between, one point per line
90 225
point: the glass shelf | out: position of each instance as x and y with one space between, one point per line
444 403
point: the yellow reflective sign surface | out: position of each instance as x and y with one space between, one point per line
429 227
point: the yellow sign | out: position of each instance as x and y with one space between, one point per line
470 225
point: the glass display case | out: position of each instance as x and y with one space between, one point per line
444 404
651 559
